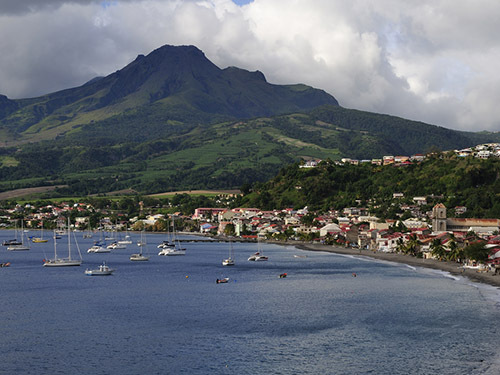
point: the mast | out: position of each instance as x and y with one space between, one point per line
69 242
55 246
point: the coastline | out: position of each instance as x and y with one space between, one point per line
451 267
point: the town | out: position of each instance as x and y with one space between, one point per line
422 231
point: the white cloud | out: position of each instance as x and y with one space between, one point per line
433 61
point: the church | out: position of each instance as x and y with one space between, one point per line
441 223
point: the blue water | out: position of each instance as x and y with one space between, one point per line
168 316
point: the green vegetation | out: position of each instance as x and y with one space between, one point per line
172 120
442 178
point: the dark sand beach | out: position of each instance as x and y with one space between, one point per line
451 267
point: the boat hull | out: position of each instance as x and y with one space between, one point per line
62 263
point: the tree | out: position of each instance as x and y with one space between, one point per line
413 245
477 251
229 229
437 249
455 253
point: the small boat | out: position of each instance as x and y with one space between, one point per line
39 239
222 281
11 242
116 245
254 256
176 249
103 270
283 275
98 248
20 246
125 241
230 260
139 257
6 264
299 256
165 244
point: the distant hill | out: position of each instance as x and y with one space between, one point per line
172 120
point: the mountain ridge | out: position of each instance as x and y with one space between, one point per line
172 78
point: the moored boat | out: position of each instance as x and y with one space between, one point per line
103 270
63 262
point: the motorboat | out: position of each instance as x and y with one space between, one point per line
173 251
165 244
254 256
98 248
116 246
222 281
103 270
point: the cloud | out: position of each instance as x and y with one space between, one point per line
433 61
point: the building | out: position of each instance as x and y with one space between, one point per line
440 223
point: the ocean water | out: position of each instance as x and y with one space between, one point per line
168 315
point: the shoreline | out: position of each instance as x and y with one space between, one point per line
451 267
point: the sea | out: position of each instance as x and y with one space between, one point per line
331 314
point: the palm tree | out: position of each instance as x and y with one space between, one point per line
456 253
437 249
400 245
413 245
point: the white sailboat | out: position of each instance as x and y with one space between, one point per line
140 257
99 247
64 262
88 234
22 246
230 260
127 240
259 255
177 249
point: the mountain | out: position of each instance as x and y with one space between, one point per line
171 84
172 120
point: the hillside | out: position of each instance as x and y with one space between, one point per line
444 178
172 120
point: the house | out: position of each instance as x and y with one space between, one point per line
206 213
329 229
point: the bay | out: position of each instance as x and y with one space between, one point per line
168 315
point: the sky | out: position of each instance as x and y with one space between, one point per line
427 60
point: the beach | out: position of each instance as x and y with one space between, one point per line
451 267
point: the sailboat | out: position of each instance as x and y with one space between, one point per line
13 241
89 232
259 255
21 246
176 249
127 240
230 260
39 239
140 257
63 262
